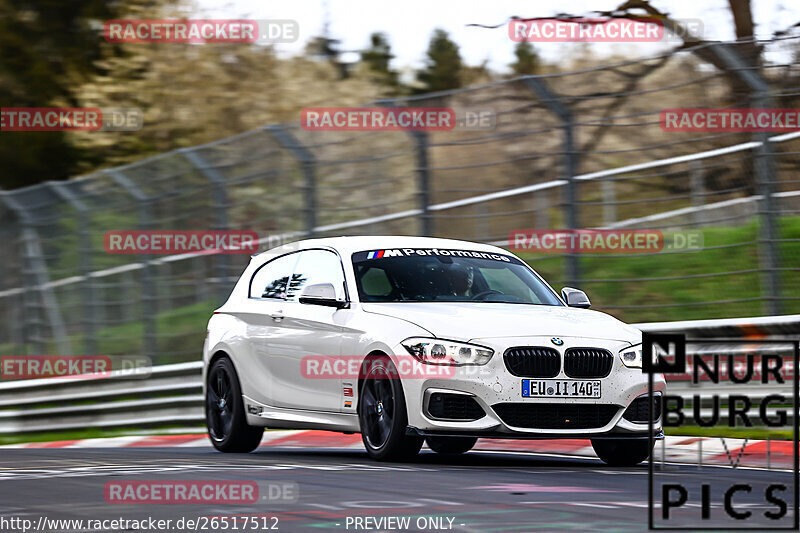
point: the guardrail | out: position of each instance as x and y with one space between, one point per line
172 394
169 395
730 328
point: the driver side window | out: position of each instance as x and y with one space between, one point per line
272 279
316 266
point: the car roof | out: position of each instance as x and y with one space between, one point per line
346 245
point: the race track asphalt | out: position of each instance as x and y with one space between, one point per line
481 491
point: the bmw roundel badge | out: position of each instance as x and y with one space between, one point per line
557 341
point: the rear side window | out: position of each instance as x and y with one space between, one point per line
272 279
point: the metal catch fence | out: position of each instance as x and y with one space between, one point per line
581 149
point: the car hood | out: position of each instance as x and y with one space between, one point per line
468 321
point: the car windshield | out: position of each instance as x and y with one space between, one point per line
439 275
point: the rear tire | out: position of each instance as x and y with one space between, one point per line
225 416
382 413
451 445
622 452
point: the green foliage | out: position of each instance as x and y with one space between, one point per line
377 58
379 53
53 54
444 66
48 48
31 157
527 62
761 433
726 249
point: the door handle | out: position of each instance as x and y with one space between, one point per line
277 317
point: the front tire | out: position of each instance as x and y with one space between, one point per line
225 416
451 445
382 413
622 452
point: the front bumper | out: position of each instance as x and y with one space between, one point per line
492 386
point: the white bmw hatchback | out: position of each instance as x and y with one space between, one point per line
412 339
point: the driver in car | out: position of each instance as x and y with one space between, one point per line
461 278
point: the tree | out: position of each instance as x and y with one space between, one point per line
377 58
527 62
49 48
443 64
326 47
379 53
194 94
748 50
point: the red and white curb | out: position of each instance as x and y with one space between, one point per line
714 451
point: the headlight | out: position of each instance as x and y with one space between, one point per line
632 356
441 352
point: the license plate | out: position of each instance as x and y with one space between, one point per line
560 388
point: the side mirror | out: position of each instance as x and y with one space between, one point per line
575 298
321 294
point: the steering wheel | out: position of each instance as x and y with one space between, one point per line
482 295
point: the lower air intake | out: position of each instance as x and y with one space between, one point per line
445 406
638 411
555 415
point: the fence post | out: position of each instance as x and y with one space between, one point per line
30 323
542 206
482 233
698 188
308 165
7 314
13 299
220 202
149 303
36 281
128 312
609 187
84 262
423 181
764 167
423 172
539 87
